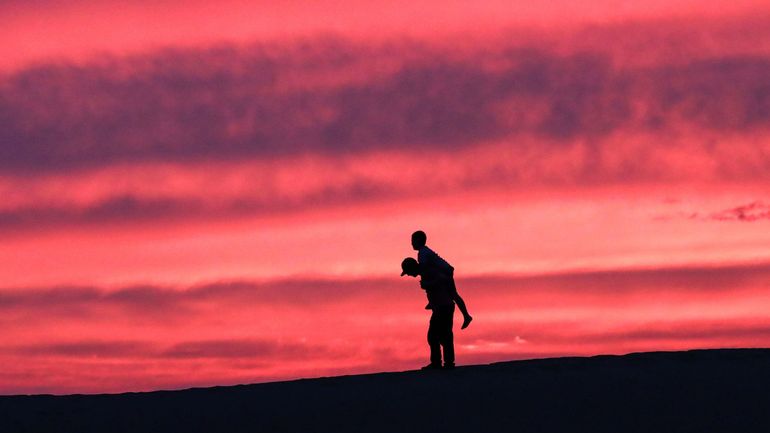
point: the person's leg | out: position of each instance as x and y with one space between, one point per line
434 339
461 305
466 316
447 337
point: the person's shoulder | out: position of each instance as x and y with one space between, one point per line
426 250
426 255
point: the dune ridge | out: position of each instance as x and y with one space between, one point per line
719 390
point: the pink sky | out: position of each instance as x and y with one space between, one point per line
42 29
230 202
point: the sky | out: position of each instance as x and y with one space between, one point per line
198 195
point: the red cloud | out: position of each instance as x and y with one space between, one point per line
750 212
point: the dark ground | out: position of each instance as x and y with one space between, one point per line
697 391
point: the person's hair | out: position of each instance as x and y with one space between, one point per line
419 238
410 264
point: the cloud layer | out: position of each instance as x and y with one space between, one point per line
260 129
336 97
215 333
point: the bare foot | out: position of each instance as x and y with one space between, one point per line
466 322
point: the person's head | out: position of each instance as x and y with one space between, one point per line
409 266
418 239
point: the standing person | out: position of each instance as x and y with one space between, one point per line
432 262
441 300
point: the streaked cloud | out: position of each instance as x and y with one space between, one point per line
265 349
336 97
164 303
82 349
584 287
750 212
273 350
262 129
278 329
754 211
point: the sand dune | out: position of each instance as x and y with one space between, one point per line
696 391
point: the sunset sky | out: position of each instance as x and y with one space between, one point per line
207 193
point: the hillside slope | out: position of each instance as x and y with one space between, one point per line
697 391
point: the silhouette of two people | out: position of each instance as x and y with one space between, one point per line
437 279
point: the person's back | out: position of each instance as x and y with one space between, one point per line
438 287
431 260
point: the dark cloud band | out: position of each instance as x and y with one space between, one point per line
583 287
340 97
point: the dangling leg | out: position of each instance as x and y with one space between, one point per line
461 305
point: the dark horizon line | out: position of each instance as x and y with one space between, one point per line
510 363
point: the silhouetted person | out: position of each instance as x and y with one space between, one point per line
442 296
432 262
